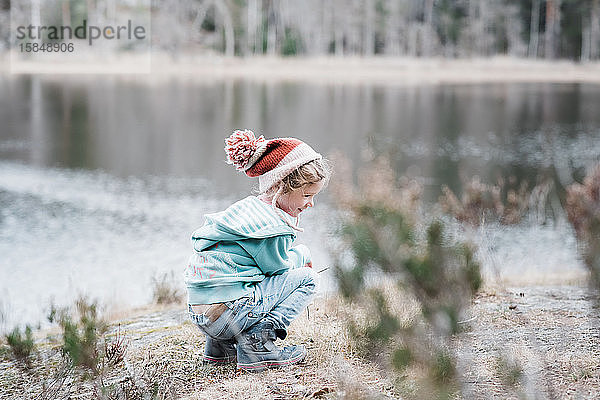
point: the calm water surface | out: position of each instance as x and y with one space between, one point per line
102 180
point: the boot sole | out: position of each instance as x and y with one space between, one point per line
218 361
262 365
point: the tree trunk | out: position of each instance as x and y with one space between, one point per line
258 39
228 28
412 42
552 28
585 41
281 23
92 16
557 28
392 28
251 25
352 29
514 29
338 19
427 44
369 32
595 31
534 30
66 13
317 34
486 39
470 41
36 14
271 29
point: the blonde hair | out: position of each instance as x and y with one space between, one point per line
307 174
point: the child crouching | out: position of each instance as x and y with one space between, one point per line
245 280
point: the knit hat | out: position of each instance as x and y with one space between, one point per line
270 160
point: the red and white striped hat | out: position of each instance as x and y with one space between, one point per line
270 160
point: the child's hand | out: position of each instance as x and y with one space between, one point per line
308 264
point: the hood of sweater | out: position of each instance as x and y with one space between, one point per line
249 218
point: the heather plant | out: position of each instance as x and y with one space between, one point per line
583 211
506 202
21 345
389 242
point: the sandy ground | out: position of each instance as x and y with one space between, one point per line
329 70
550 333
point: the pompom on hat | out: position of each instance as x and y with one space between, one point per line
270 160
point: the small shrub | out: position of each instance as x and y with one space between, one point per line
509 371
444 369
165 289
21 345
81 334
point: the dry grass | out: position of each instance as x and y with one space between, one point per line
163 361
506 202
166 290
332 367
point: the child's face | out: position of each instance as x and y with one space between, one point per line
300 199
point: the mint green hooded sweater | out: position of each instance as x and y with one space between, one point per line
237 248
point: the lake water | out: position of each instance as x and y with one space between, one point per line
103 179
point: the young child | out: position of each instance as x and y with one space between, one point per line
245 281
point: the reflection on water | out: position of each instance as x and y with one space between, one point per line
102 180
177 128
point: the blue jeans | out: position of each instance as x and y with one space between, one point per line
279 298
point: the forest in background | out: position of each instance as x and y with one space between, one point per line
548 29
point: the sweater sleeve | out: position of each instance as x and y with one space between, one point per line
275 255
303 254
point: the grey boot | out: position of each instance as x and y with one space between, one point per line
256 350
219 351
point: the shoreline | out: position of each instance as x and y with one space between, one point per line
319 70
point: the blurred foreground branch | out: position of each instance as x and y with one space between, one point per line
388 240
583 211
